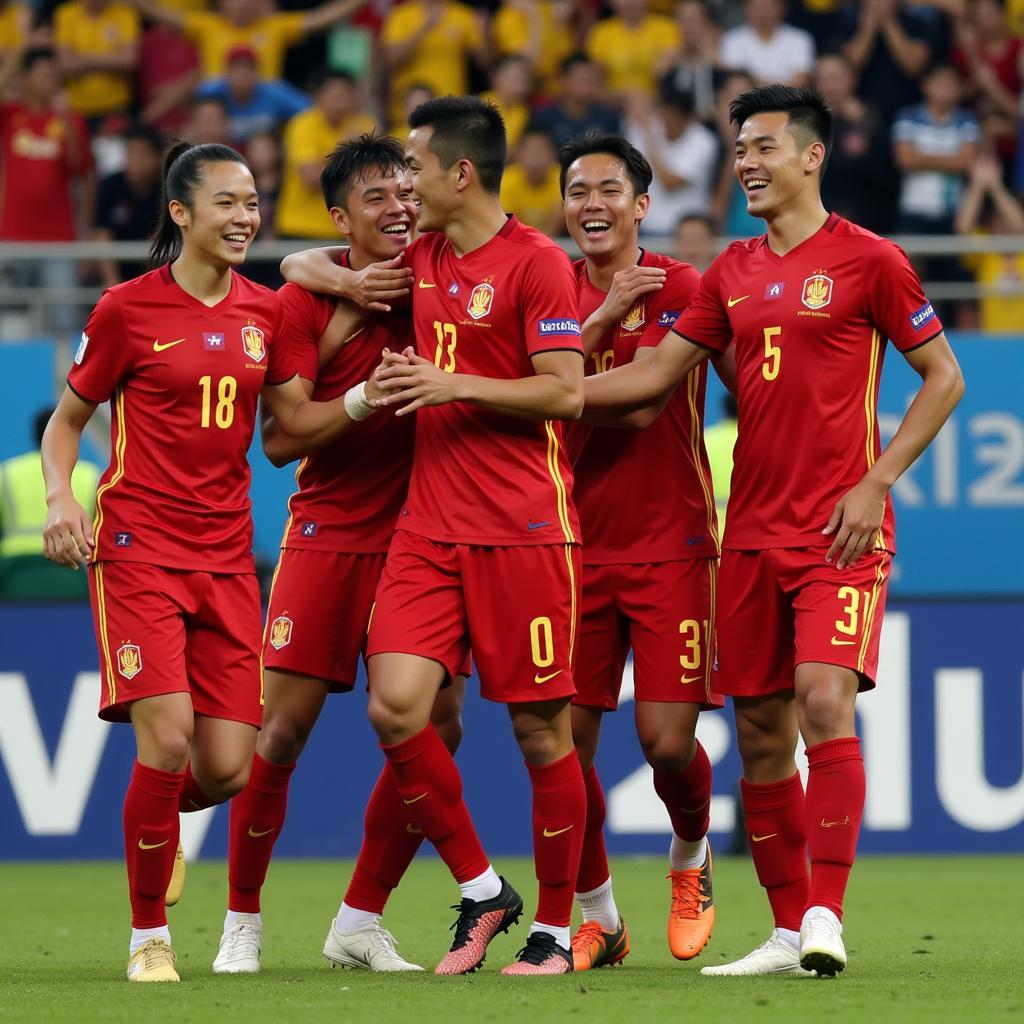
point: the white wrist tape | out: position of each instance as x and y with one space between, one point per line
357 405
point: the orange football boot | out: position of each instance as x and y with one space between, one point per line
593 947
693 910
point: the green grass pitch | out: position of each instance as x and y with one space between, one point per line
930 939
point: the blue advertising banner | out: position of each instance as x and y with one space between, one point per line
943 741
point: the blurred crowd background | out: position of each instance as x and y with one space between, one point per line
927 99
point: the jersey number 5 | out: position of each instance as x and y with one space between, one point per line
772 354
224 410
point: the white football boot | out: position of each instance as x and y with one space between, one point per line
774 956
821 943
369 949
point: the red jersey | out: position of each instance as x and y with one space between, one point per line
183 381
35 201
482 477
810 330
350 491
645 495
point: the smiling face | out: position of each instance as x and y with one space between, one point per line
773 166
378 216
433 189
602 211
221 221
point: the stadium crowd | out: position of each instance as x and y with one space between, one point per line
926 95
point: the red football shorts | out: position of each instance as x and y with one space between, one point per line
516 607
784 606
176 631
320 604
665 612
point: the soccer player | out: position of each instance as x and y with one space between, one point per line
183 353
486 554
650 553
809 539
340 524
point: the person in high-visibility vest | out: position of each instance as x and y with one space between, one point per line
719 441
24 569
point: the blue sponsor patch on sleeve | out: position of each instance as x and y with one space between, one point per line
668 317
922 316
565 327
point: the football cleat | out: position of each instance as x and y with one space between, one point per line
774 956
478 922
239 950
692 915
176 886
369 949
541 955
821 943
593 947
153 961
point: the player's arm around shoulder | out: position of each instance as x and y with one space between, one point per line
374 288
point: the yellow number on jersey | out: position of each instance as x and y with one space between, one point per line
690 629
603 360
445 333
542 642
772 354
852 609
224 411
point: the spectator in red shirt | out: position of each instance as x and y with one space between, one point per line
45 147
988 56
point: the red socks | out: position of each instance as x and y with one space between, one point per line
390 842
559 820
192 797
150 841
776 829
835 804
430 788
593 871
687 797
257 814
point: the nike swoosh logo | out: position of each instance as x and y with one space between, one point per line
548 834
157 347
537 526
761 839
538 679
152 846
426 284
259 835
842 643
830 824
413 830
414 800
686 680
735 302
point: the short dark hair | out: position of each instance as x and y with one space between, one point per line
809 114
34 55
144 133
638 170
697 218
355 160
579 57
672 96
321 76
465 128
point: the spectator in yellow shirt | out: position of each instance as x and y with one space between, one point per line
431 42
1000 275
539 30
530 188
512 86
247 23
98 49
415 95
308 138
15 26
634 47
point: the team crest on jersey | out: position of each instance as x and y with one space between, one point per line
280 632
817 291
129 660
480 300
252 343
635 318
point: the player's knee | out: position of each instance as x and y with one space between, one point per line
765 754
391 722
166 746
540 747
282 739
668 752
824 714
222 781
